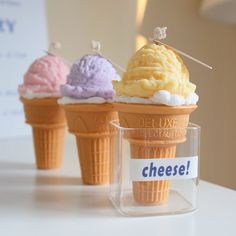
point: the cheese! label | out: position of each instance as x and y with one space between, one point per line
164 168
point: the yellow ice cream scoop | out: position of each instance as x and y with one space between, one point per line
152 68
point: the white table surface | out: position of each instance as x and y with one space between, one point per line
55 202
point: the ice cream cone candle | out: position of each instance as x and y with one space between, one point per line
85 98
39 94
155 93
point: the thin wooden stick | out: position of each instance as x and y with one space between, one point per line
184 54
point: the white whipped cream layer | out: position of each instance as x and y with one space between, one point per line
30 95
161 97
94 100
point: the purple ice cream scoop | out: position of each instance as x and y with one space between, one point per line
90 76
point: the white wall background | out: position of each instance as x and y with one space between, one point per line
76 22
18 48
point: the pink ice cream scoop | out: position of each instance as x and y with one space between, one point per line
45 76
90 76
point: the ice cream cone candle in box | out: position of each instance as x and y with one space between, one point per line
86 100
155 93
39 94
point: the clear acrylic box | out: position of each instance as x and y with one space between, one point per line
155 171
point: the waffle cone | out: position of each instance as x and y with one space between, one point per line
47 120
166 127
90 124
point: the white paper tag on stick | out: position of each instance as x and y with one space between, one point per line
164 168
